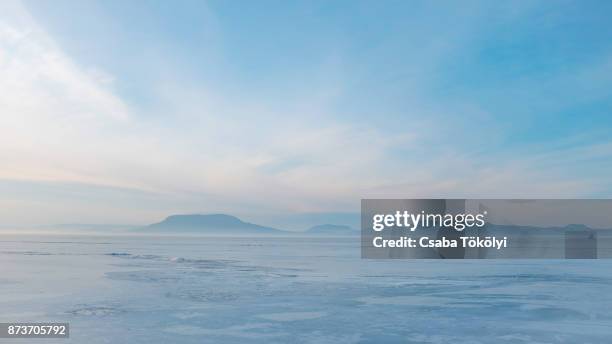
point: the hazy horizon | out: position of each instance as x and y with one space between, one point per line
286 222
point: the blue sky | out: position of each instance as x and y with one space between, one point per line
127 112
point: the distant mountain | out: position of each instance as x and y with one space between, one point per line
577 227
328 229
303 221
529 230
220 224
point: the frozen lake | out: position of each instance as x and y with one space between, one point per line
125 289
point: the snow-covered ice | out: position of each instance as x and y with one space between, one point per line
150 290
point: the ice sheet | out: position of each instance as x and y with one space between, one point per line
275 290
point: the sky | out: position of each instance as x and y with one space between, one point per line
125 112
